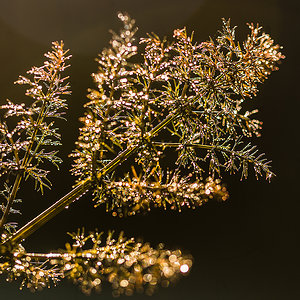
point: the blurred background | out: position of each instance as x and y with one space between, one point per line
244 248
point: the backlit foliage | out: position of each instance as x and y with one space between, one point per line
172 110
190 92
124 263
32 141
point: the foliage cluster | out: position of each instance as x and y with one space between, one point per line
179 96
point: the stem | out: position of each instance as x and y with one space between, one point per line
207 147
40 119
82 188
49 213
44 256
176 145
11 199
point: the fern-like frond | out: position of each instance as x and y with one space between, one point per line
30 143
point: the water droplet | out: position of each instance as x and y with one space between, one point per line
184 268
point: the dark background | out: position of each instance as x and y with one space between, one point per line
245 248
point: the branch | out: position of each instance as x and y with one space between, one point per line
82 188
